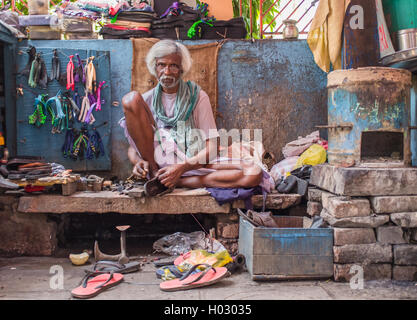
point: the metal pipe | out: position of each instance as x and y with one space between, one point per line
262 15
251 18
261 19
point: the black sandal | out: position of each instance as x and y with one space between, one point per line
154 187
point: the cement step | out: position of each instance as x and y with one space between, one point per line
178 202
357 181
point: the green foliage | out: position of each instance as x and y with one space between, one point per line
22 5
256 32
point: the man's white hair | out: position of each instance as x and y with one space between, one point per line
167 47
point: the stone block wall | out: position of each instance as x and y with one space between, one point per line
227 231
378 233
23 233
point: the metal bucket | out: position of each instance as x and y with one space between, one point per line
369 103
406 39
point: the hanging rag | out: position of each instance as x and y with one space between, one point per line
56 67
90 76
43 74
70 74
95 147
32 54
35 72
67 148
98 105
326 33
79 71
58 115
38 117
85 106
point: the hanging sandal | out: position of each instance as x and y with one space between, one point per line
193 280
94 283
56 67
32 54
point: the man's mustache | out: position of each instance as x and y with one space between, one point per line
173 79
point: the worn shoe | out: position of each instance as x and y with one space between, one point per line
6 184
154 187
289 185
3 171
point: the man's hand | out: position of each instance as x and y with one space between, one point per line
170 175
141 168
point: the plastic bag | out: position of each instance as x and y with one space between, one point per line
314 155
297 147
279 170
195 257
180 243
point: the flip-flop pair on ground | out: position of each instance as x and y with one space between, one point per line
102 278
105 274
190 279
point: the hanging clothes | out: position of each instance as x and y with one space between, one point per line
325 36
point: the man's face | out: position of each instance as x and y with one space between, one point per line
168 70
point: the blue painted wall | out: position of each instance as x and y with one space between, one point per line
272 85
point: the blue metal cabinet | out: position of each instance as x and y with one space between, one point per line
286 253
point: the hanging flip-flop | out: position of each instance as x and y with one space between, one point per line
96 282
193 280
56 67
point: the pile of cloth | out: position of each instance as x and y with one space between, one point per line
29 168
182 22
292 174
129 21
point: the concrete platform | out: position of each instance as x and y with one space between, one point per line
180 201
35 278
358 181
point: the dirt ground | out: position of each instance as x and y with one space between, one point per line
35 278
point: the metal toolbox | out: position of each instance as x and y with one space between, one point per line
287 252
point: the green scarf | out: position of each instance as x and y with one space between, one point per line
182 123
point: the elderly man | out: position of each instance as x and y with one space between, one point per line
161 127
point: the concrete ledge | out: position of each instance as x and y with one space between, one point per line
365 181
177 202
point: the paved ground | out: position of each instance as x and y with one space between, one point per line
35 278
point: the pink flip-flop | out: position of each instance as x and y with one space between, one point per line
181 258
204 278
96 282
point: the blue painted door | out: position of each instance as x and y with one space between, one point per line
41 141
